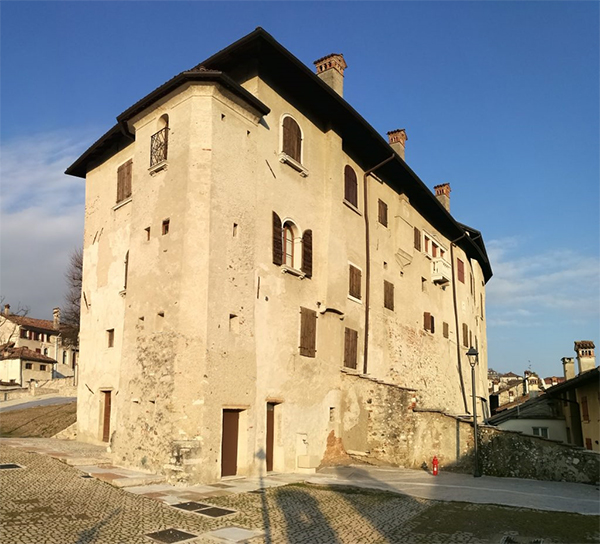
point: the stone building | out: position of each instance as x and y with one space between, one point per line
48 338
262 270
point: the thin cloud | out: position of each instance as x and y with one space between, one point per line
42 218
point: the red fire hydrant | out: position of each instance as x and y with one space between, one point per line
435 464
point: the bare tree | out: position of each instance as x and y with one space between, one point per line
9 327
71 310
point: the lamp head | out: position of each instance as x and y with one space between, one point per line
473 356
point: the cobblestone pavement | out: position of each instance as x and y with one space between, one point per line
49 502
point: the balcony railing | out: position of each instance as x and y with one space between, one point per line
441 272
158 147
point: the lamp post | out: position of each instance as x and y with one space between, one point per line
473 356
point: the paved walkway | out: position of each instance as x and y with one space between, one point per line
31 402
535 494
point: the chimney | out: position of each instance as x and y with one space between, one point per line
7 309
442 193
569 367
397 139
586 360
331 70
56 317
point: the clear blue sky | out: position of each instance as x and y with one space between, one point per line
500 99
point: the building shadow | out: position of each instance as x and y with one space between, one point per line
89 535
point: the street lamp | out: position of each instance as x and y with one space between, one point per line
473 356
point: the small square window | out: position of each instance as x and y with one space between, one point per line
28 366
110 337
42 367
165 227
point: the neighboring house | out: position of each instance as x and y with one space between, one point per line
253 246
568 411
580 397
538 416
551 381
42 336
508 390
20 365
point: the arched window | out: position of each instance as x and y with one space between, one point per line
159 142
292 139
288 245
350 186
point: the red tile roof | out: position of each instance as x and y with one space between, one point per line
24 321
9 351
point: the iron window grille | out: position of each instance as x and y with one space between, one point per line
158 147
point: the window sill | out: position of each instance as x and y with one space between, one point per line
285 269
354 299
122 203
123 292
348 370
352 207
286 159
158 167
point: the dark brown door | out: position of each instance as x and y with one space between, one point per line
106 418
229 449
270 434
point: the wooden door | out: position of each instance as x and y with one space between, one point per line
106 418
229 448
270 434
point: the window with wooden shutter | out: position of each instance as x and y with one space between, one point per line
124 174
465 331
350 348
388 295
307 253
585 414
427 321
460 266
350 186
355 282
383 213
446 330
292 139
588 444
308 332
277 240
417 234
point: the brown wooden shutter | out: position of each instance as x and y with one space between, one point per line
465 330
277 240
120 182
461 270
292 139
308 332
355 282
446 330
585 414
350 348
383 213
432 325
307 253
426 321
350 186
417 234
388 295
127 181
588 443
470 338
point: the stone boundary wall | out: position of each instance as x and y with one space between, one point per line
382 424
12 394
62 386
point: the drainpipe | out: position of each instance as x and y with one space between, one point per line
458 354
368 259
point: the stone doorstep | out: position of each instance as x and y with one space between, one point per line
134 481
83 461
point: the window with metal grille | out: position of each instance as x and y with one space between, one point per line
383 213
308 332
388 295
417 239
124 175
350 186
292 139
585 414
159 146
350 348
355 276
460 267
